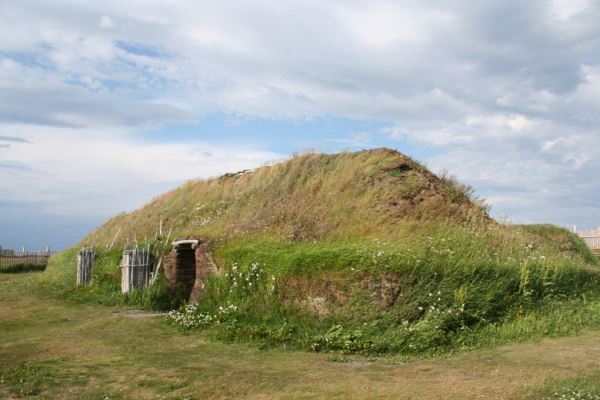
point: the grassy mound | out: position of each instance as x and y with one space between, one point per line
309 197
360 252
566 241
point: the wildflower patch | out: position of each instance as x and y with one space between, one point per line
191 316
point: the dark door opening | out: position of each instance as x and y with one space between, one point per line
183 265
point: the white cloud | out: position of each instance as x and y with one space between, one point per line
99 172
564 10
506 92
529 169
106 22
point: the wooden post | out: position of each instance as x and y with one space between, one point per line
114 240
125 272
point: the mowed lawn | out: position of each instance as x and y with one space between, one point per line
50 349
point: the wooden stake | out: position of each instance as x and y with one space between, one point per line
114 240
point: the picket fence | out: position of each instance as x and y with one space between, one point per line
14 258
591 237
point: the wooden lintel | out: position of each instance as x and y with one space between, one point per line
193 243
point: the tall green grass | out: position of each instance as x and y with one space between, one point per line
450 287
447 287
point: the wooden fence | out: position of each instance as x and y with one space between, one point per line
591 237
137 268
13 260
85 265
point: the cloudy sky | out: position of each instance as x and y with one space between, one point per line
104 105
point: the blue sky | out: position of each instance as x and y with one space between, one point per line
282 136
104 105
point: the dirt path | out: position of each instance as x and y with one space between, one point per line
56 350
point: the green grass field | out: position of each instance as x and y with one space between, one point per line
444 289
52 349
